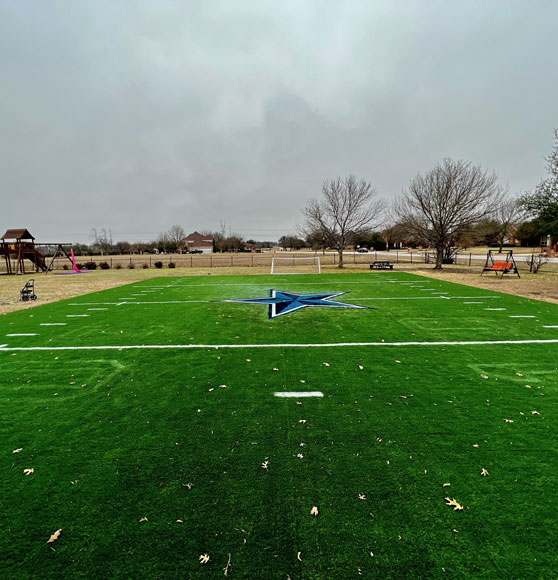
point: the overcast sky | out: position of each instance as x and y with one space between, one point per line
133 116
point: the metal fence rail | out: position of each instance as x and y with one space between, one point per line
232 260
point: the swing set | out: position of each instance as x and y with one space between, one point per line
500 266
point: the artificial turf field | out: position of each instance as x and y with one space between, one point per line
148 415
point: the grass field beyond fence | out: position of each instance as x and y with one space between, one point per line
148 416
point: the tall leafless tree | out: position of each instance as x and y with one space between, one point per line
439 206
176 235
348 206
506 217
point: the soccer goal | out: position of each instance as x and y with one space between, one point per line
296 265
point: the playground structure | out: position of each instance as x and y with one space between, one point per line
500 266
18 245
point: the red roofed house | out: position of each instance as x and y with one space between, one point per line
198 242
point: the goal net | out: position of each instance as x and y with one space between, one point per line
296 265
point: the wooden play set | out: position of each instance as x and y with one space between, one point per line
19 245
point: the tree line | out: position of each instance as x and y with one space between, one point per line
453 205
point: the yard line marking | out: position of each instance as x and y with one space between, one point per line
553 326
298 394
281 345
97 309
23 334
76 315
53 323
3 345
472 302
430 298
521 316
495 308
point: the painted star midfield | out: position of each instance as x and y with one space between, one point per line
281 303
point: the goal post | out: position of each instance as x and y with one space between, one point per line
308 265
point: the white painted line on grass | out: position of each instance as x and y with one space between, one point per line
282 345
53 323
552 326
76 315
298 394
3 345
472 302
431 298
495 308
520 316
23 334
97 309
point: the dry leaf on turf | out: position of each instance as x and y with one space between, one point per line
454 503
532 413
144 519
484 472
298 556
361 496
54 536
446 484
204 559
508 420
28 471
484 376
314 511
17 450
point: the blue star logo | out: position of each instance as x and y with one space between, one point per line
281 303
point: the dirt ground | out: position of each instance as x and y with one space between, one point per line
52 287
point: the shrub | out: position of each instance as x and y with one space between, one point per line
145 266
65 267
447 260
158 264
131 266
172 265
118 266
104 266
90 265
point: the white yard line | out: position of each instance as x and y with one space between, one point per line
97 309
53 324
552 326
283 345
76 315
520 316
495 308
23 334
298 394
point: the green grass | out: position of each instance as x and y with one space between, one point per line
114 435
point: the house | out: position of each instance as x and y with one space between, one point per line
198 242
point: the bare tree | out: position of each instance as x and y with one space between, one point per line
506 217
348 206
175 235
442 205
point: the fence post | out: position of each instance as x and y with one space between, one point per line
411 257
354 257
470 257
397 256
111 263
210 260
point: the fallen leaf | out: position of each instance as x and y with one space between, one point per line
454 503
518 375
398 361
360 367
204 559
476 445
446 484
54 536
302 421
361 496
298 556
275 369
28 471
144 519
314 511
484 376
179 521
326 364
299 455
302 381
265 464
17 450
508 420
222 386
484 472
532 413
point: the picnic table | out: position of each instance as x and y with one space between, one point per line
381 265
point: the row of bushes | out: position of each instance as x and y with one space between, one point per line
107 266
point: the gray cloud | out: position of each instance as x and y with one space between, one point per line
134 116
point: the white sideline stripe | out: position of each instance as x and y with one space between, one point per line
53 324
495 308
76 315
553 326
298 394
23 334
521 316
283 345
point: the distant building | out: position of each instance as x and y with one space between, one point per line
196 241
